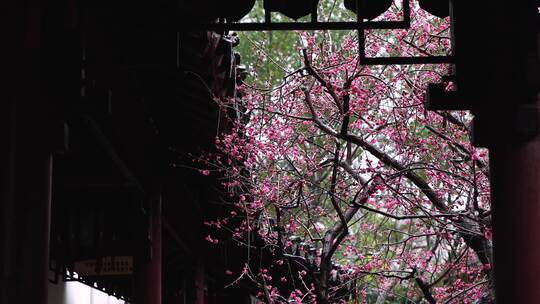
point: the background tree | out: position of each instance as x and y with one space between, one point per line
339 170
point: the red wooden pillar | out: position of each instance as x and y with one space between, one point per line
33 211
26 161
25 209
26 201
516 221
200 285
148 264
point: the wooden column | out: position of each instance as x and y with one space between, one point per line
516 221
148 261
200 284
26 160
26 203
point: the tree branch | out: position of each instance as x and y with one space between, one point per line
311 71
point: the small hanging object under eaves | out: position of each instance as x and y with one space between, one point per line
439 8
294 9
234 10
368 9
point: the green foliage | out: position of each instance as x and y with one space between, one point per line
270 56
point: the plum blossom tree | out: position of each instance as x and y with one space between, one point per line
355 192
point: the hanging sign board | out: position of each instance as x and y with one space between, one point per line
105 266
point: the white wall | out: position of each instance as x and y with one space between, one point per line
78 293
